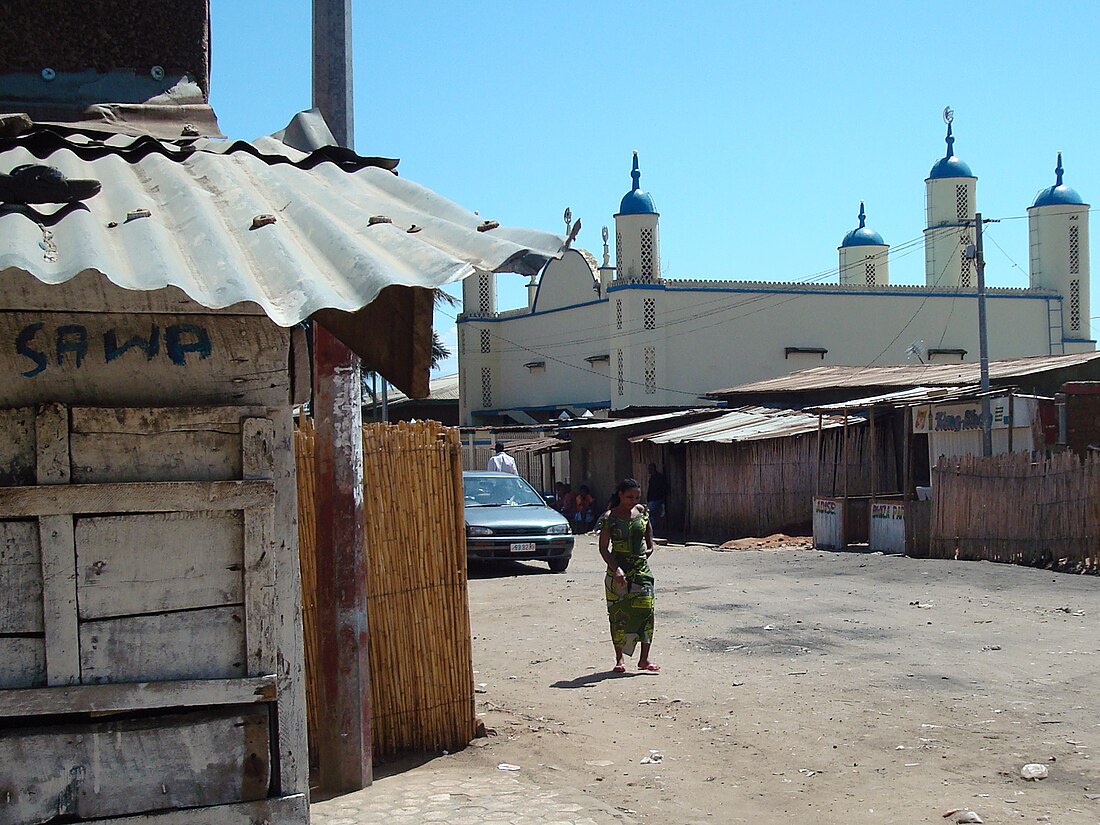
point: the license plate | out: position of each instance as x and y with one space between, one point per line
523 547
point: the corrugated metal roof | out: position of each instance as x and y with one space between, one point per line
901 398
443 388
919 396
904 375
748 424
326 248
620 423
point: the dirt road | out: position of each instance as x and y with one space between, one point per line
799 686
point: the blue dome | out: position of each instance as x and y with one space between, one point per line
637 201
950 166
1055 195
862 235
1059 194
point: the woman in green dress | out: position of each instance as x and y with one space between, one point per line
626 543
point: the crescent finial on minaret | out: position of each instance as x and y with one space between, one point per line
862 216
1058 170
635 175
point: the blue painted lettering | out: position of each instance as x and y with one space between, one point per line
23 347
178 347
72 338
150 346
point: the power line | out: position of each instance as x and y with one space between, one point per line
767 290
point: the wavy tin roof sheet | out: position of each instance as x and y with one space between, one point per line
322 251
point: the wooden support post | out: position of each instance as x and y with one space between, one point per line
907 458
344 735
1011 419
874 454
817 463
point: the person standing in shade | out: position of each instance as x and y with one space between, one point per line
655 494
501 462
626 543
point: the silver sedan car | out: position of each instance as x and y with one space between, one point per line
507 519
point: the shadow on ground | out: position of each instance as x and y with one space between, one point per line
506 568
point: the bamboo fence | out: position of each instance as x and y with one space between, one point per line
422 695
1009 508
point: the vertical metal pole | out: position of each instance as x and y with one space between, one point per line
385 399
344 734
983 340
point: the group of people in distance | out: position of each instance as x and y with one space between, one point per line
625 531
579 507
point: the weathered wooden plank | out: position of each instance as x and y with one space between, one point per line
58 546
20 578
129 766
293 758
138 696
114 359
301 370
154 497
17 456
22 662
285 810
52 437
157 444
257 458
91 292
192 644
155 562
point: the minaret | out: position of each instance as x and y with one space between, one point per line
1058 224
951 200
637 245
864 256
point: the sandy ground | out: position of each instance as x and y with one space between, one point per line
799 686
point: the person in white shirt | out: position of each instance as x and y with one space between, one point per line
502 462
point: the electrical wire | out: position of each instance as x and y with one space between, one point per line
768 289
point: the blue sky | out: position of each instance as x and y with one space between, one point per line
760 126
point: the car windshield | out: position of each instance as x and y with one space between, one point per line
499 491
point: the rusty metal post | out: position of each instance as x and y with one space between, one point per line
344 743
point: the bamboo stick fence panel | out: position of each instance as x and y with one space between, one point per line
1009 508
307 556
418 617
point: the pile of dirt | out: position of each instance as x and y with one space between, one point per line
776 541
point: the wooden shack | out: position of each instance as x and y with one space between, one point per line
150 636
150 606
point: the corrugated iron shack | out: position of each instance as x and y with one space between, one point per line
754 471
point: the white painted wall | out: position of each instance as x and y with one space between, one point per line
1052 230
944 238
854 261
631 258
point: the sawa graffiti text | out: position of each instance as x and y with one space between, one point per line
71 344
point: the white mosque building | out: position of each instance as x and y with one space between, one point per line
601 337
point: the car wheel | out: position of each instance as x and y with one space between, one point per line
558 565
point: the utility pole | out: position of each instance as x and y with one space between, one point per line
983 338
344 742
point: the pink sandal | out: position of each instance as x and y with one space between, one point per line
619 669
650 668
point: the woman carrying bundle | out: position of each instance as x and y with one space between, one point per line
626 543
